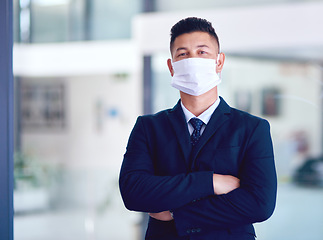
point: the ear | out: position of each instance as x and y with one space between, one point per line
170 66
220 62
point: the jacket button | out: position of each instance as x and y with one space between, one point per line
194 230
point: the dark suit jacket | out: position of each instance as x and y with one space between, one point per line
161 171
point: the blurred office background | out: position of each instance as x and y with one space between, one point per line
85 69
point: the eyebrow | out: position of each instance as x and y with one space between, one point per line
181 48
198 46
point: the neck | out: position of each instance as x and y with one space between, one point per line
198 104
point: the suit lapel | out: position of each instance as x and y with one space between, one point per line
218 118
177 120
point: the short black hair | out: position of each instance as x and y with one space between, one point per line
192 24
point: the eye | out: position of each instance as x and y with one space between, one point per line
182 54
203 52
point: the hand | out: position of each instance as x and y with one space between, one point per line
224 184
162 216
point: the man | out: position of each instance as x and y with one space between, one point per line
202 170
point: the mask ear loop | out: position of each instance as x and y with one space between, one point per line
217 62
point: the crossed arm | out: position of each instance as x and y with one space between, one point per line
222 184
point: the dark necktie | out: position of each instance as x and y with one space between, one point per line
197 124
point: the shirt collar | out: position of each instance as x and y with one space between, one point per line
205 116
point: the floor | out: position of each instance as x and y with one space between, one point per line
298 216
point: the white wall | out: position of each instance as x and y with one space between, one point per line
75 58
282 30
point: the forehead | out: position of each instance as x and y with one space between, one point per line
193 40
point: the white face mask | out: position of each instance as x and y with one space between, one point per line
195 76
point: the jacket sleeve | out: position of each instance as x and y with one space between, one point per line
142 191
254 201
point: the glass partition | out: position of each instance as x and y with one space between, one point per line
41 21
71 131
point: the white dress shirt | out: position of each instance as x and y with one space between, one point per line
204 116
